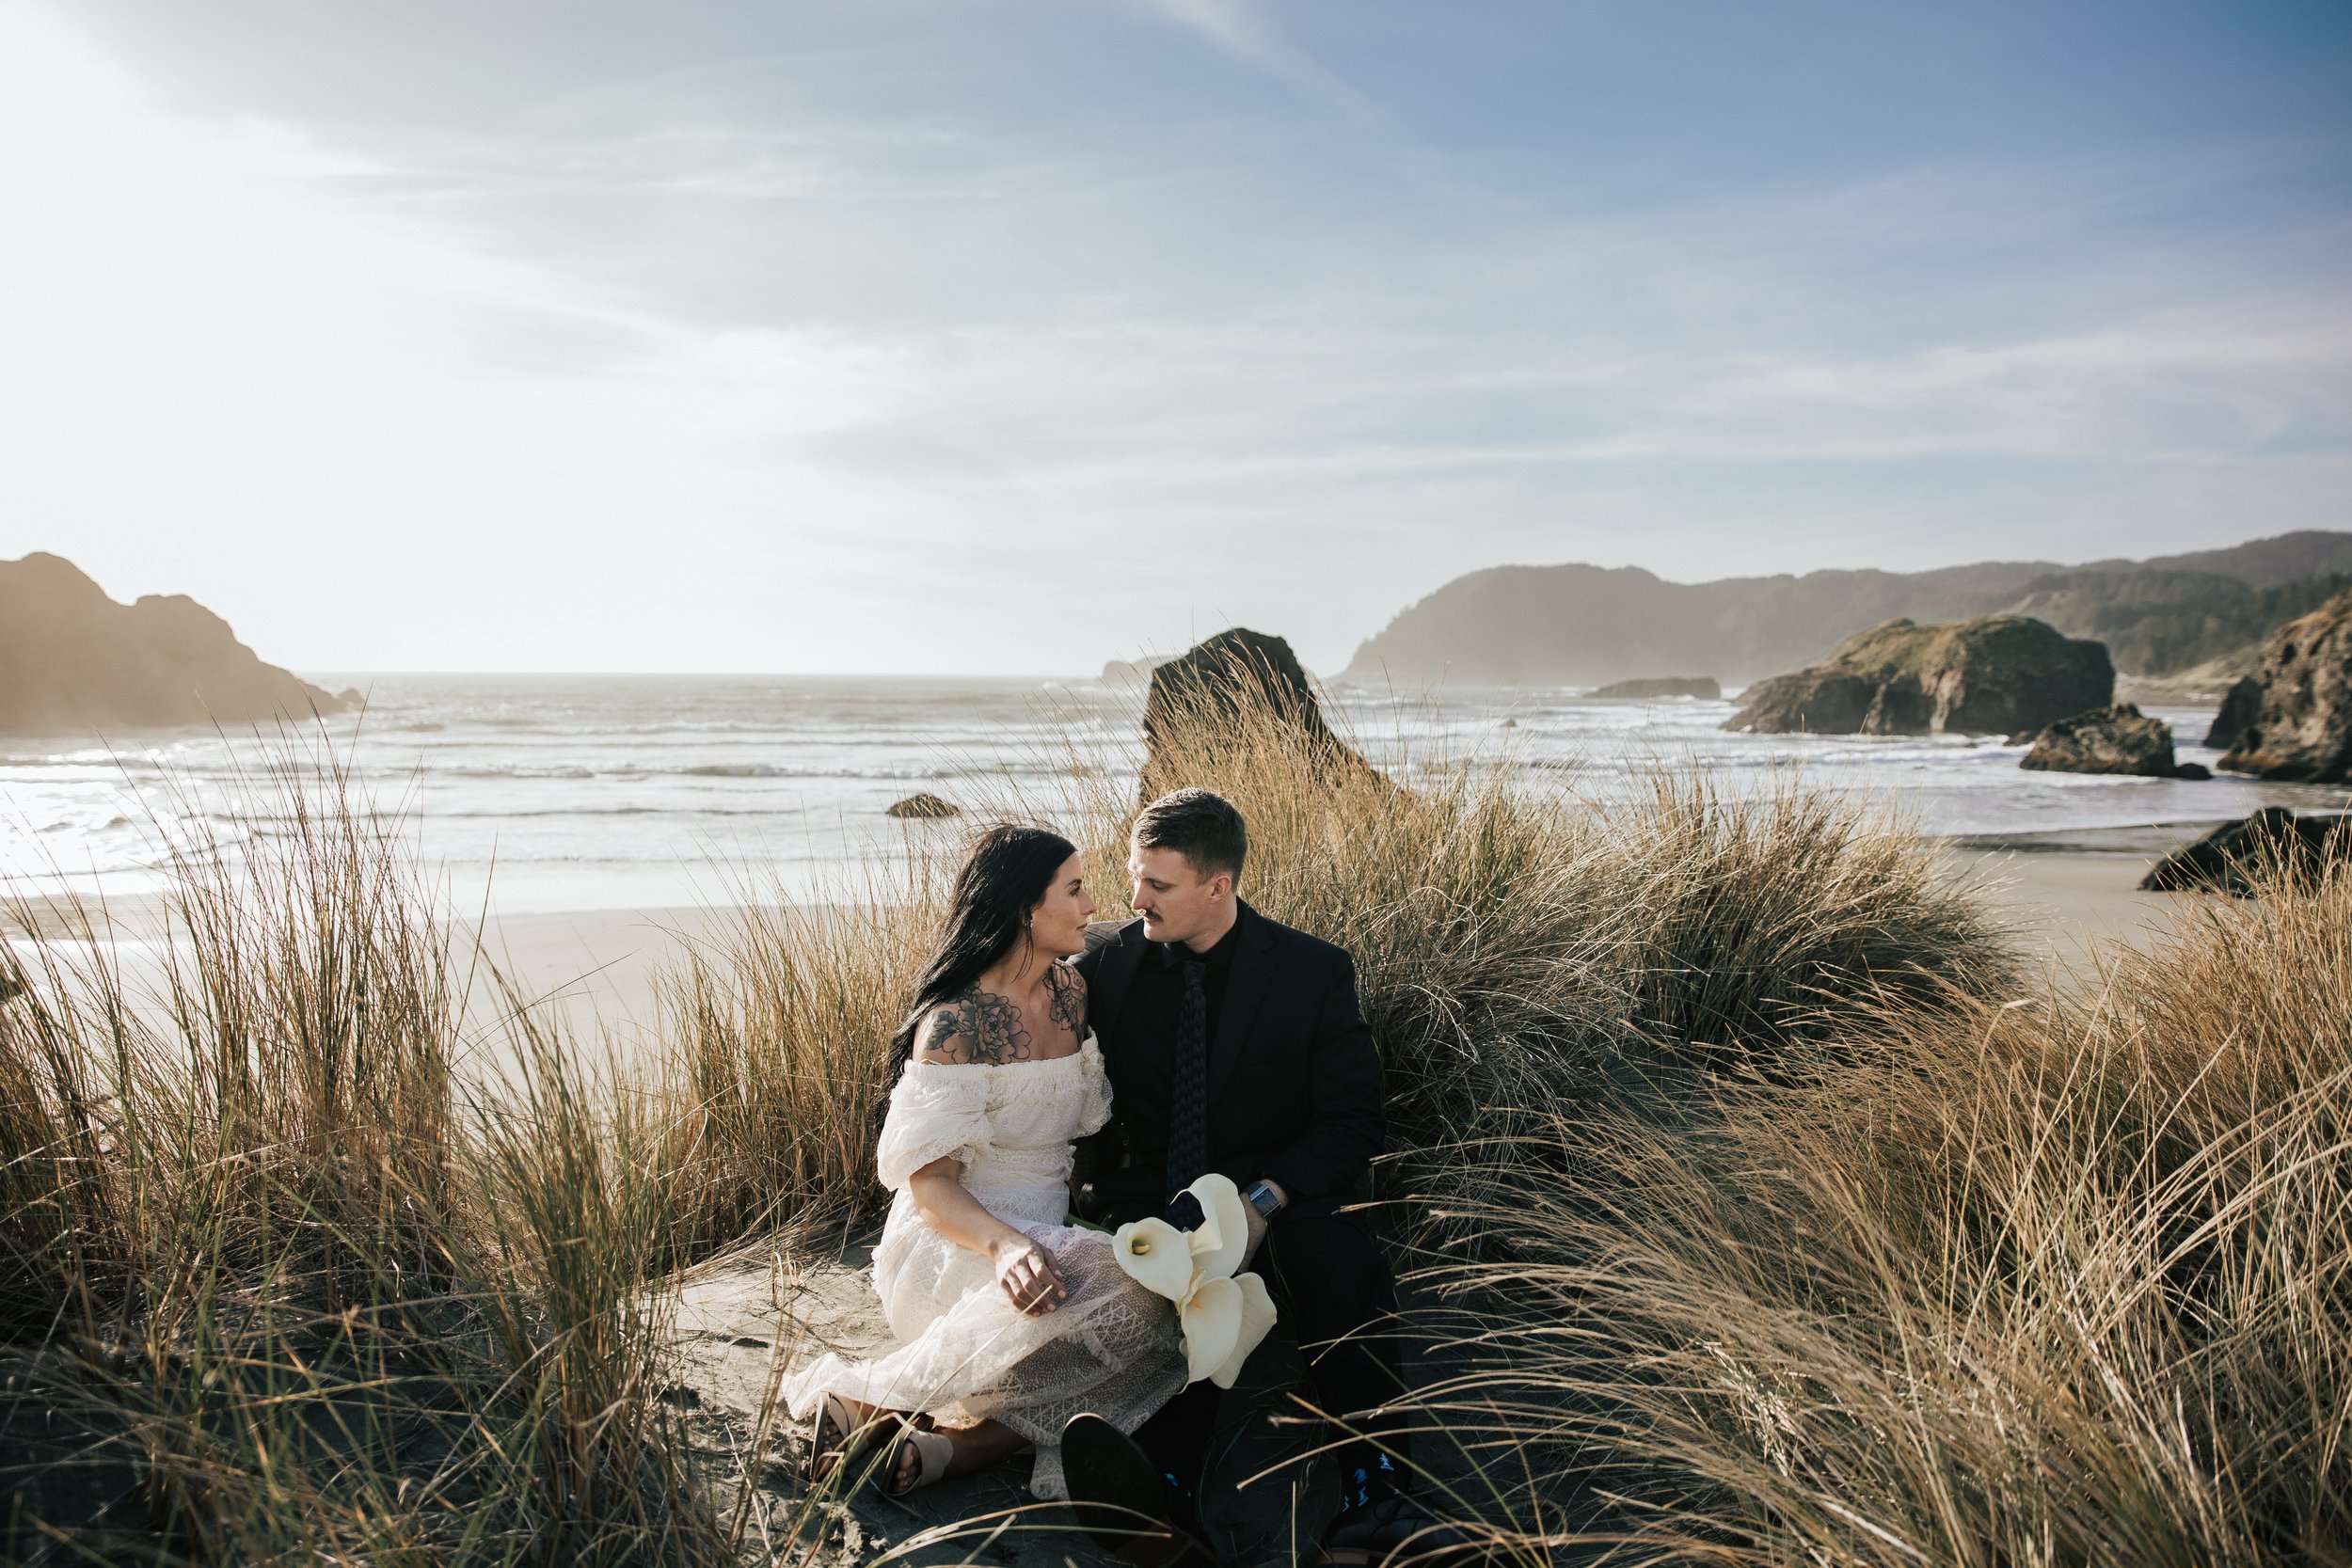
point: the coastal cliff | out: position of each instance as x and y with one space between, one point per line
1587 626
73 659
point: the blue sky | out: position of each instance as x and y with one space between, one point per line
1012 337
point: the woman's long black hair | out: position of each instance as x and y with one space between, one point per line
1009 869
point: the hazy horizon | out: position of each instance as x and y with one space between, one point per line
903 337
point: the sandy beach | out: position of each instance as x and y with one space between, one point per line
594 970
2061 904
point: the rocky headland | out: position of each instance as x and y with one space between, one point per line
1577 625
1999 675
72 659
2302 729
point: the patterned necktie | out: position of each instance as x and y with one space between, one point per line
1188 1088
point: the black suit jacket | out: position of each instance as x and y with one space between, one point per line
1294 1079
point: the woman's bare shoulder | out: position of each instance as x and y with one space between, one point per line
1069 998
974 1027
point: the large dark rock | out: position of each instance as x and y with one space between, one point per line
2303 729
1663 686
2118 739
923 806
2240 705
72 659
1238 674
2000 674
2273 837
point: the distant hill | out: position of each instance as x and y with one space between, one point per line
2157 623
1584 625
72 659
2282 557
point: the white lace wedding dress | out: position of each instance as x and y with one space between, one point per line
963 1351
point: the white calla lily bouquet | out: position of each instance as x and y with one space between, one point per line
1223 1314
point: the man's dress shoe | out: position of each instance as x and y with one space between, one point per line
1123 1501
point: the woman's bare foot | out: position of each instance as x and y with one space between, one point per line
976 1448
843 1428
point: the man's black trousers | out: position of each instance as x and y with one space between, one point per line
1334 1292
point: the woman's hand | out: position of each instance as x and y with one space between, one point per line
1028 1276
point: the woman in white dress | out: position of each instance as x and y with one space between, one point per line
1010 1321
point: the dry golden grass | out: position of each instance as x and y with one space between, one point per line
278 1269
2054 1279
771 1089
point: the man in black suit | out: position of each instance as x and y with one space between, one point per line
1233 1044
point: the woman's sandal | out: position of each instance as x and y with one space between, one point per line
934 1452
838 1446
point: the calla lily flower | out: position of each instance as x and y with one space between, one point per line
1219 1246
1157 1255
1257 1315
1223 1315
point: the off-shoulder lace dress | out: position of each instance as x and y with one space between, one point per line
963 1351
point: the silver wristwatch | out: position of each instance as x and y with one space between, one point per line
1262 1199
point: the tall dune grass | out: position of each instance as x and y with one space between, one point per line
2053 1280
773 1075
321 1302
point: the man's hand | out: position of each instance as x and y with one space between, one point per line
1257 1222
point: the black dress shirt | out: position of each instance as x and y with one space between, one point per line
1147 1032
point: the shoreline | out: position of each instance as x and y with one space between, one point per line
2060 892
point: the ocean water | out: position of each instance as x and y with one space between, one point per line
556 792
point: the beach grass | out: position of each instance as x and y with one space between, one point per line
2055 1278
290 1291
1780 1221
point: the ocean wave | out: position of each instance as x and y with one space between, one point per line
516 770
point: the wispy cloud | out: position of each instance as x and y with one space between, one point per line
1240 28
759 381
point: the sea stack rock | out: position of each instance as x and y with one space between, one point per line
1999 675
72 660
923 807
2118 739
1654 687
1235 673
2303 728
2273 837
2239 706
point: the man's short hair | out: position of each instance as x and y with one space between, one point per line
1202 826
